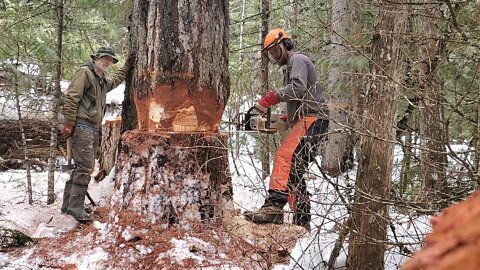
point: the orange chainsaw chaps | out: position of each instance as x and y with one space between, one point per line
282 163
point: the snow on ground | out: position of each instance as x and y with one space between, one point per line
329 212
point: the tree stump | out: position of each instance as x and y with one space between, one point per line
108 147
172 178
266 244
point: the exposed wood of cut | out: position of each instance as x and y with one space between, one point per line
172 178
454 242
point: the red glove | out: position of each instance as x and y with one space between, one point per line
67 130
269 99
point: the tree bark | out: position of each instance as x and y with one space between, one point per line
181 79
173 170
341 86
370 210
172 178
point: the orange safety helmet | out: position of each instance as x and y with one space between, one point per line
274 37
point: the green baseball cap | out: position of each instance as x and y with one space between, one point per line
104 51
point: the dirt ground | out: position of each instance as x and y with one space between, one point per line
231 243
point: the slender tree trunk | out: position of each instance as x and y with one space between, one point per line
264 139
341 86
22 132
291 21
237 103
406 170
433 157
408 123
477 142
57 92
173 169
370 210
242 28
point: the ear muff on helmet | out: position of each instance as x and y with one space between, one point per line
288 43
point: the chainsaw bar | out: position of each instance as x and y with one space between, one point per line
255 121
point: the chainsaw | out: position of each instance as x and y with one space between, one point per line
254 120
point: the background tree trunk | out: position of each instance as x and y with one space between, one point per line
264 139
433 158
174 168
57 92
16 88
370 210
341 83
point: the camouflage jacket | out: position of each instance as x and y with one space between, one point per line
86 95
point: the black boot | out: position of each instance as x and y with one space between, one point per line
76 203
271 211
302 216
66 196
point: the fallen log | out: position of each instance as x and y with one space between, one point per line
17 164
37 134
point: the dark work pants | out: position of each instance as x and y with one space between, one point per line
294 191
84 148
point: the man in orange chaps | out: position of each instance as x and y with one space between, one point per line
307 117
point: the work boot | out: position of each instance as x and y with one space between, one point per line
66 196
76 203
266 214
302 216
271 211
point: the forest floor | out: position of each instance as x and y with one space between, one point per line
131 244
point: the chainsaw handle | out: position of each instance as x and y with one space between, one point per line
253 108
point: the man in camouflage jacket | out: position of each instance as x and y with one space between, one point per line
84 107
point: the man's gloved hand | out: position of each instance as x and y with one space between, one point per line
67 130
269 99
129 61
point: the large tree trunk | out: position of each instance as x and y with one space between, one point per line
370 210
433 158
173 169
341 86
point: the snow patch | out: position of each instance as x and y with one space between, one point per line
90 260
